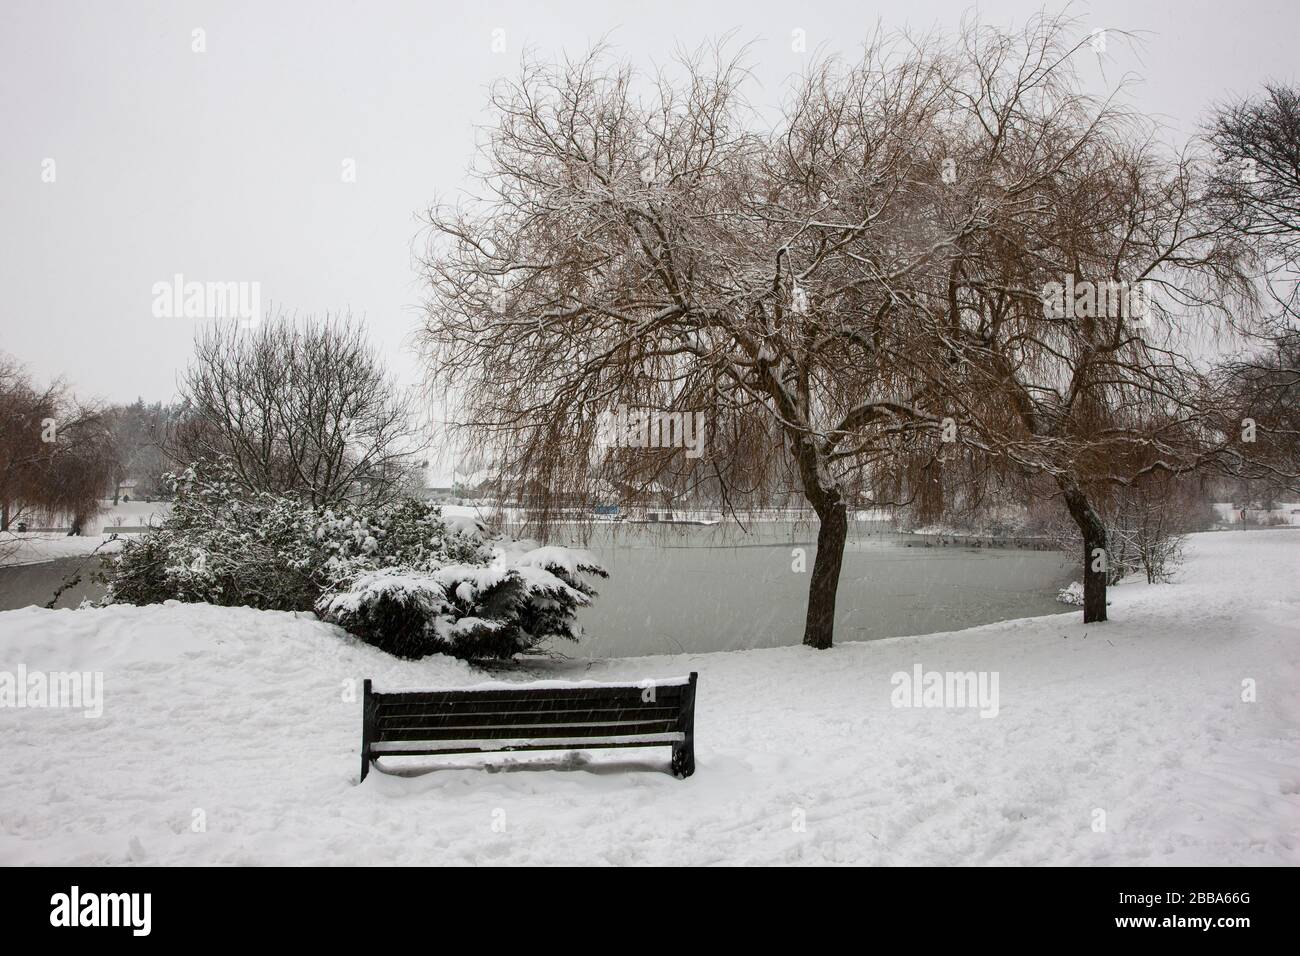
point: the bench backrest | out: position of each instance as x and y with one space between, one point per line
537 716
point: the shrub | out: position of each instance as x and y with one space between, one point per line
219 548
506 607
397 575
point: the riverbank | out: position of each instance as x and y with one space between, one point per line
1170 735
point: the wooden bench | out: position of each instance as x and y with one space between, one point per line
542 715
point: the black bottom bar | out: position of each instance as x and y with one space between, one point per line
989 908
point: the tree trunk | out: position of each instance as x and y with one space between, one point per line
831 535
4 516
832 531
1093 531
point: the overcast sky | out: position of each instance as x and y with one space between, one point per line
226 165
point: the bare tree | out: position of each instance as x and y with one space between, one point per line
1091 269
301 408
1257 399
1147 522
641 247
1256 184
1256 189
1154 517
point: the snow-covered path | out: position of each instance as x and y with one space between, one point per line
242 715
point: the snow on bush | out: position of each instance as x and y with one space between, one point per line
465 610
1071 594
397 575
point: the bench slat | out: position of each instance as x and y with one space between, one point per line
396 748
530 730
434 718
525 706
662 694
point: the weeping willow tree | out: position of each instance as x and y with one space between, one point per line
642 247
56 453
1095 272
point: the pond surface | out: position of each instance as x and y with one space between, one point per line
685 588
25 584
693 589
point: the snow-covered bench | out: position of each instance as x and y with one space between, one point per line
541 715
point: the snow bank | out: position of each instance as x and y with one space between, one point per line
230 736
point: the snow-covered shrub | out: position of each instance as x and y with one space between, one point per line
409 533
396 610
549 608
497 610
218 547
398 575
1071 594
222 546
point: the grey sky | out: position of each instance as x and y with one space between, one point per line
225 165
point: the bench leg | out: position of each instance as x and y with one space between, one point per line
684 752
367 718
684 759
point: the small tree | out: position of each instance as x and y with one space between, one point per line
298 408
1149 528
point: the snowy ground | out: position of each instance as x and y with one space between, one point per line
242 715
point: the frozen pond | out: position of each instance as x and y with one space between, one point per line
689 588
684 588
